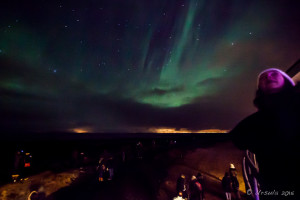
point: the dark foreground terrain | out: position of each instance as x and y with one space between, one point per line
145 166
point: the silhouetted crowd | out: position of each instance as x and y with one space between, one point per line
193 191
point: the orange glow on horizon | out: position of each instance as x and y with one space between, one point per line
81 130
183 130
154 130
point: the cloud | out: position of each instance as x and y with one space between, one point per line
111 112
162 92
102 112
14 94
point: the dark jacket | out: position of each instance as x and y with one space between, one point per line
234 183
180 187
226 184
195 190
272 134
200 179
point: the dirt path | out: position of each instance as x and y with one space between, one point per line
212 162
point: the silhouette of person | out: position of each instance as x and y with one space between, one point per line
195 189
181 186
226 185
200 179
271 133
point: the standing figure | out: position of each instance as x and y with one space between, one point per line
139 150
110 167
226 185
181 187
195 189
234 182
102 171
200 179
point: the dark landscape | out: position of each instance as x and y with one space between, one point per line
149 173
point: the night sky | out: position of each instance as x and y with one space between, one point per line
132 65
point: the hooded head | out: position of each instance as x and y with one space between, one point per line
232 166
273 80
273 85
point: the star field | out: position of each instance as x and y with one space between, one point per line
120 65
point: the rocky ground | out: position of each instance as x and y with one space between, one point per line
46 182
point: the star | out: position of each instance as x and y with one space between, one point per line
164 51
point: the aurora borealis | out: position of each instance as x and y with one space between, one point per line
122 66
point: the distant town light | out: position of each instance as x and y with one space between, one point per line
82 130
184 130
78 130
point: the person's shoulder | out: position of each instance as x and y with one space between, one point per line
246 123
245 131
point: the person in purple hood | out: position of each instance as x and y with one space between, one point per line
272 132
